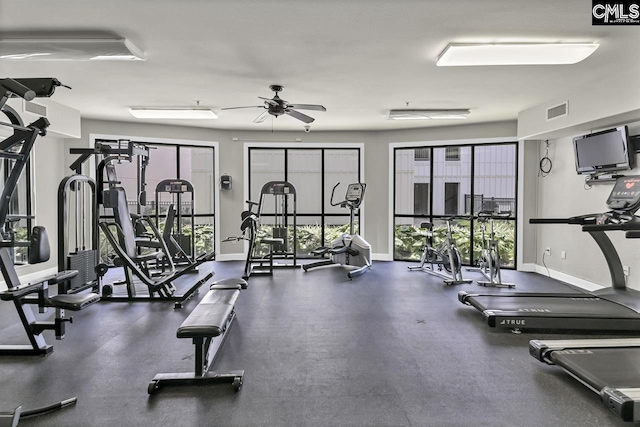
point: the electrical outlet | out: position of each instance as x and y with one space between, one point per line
563 254
547 251
625 270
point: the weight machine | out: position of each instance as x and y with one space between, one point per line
181 246
284 197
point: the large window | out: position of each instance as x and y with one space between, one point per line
170 161
433 183
313 172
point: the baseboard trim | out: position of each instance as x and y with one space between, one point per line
528 267
241 257
230 257
382 257
572 280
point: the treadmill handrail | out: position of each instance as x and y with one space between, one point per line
624 226
579 220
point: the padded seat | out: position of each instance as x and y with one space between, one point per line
74 302
427 225
272 241
21 291
209 318
230 283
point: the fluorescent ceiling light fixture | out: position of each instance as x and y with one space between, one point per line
515 54
173 113
69 49
428 114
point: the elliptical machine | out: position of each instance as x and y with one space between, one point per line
348 249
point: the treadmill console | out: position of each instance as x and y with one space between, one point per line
625 195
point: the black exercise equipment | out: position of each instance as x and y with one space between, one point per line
107 152
17 149
608 367
490 259
443 261
615 309
284 200
181 246
11 419
78 244
208 326
249 232
123 241
349 249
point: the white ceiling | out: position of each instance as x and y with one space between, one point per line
357 58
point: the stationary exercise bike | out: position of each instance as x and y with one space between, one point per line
489 262
349 249
443 261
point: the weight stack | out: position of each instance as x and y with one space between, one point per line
85 263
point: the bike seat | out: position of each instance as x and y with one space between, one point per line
427 225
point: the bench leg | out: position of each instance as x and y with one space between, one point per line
233 377
206 351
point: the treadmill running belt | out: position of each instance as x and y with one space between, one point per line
601 367
549 306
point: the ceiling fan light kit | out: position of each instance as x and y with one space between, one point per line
173 113
277 106
456 55
432 114
69 49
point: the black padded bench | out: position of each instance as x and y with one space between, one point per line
207 325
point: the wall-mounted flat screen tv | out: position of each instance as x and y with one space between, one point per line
604 152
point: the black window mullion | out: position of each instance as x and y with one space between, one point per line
322 197
473 196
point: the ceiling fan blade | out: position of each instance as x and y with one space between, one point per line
269 101
308 107
298 115
250 106
262 117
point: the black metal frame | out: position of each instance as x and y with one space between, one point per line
472 218
322 214
65 256
207 349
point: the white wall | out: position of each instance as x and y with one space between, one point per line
49 169
562 194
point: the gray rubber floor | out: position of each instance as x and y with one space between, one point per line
390 348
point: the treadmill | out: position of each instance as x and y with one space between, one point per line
609 367
609 309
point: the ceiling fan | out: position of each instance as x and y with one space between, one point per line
277 106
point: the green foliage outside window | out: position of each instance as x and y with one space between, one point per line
409 240
308 238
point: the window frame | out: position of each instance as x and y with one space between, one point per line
432 145
285 146
177 143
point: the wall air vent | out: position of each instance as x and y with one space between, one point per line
35 108
558 111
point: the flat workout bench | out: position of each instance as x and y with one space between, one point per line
208 325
